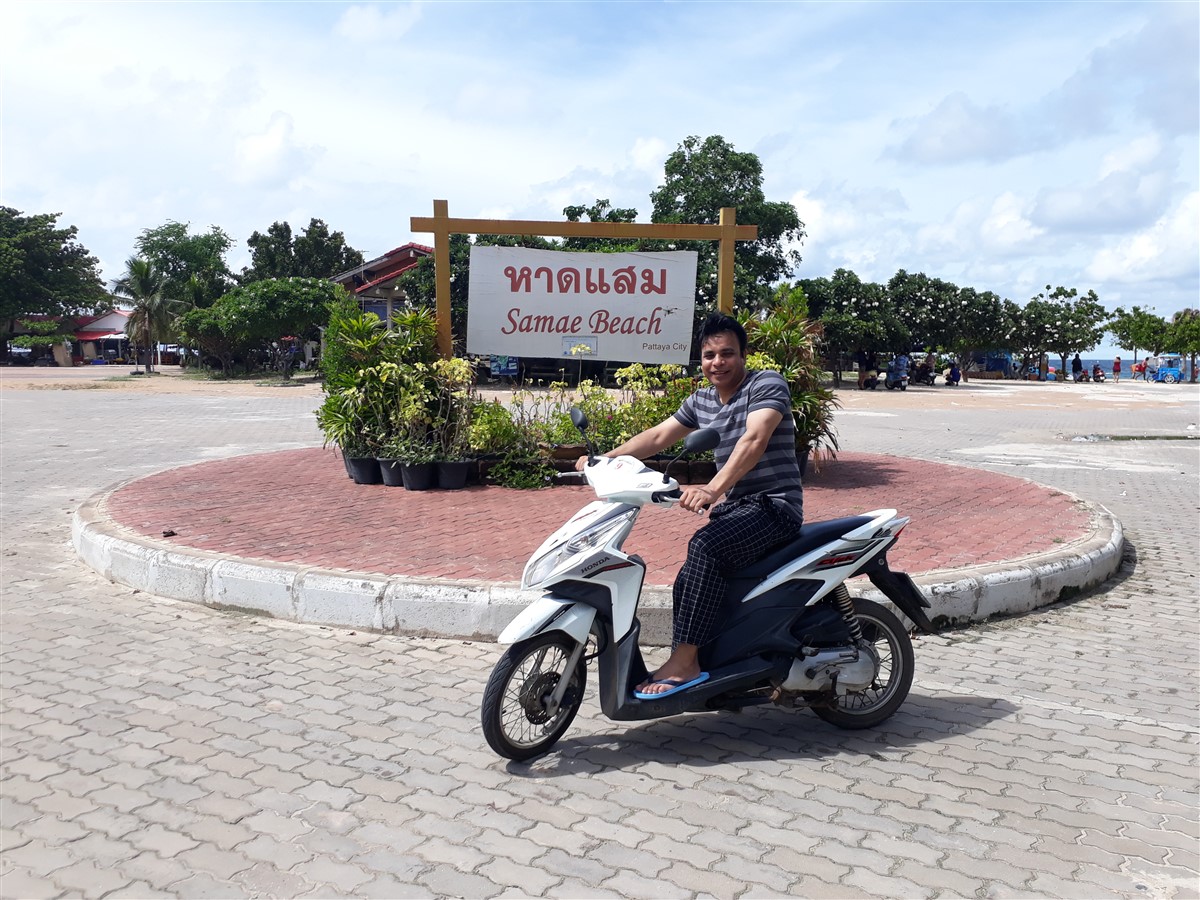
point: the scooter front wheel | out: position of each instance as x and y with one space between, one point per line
516 721
893 648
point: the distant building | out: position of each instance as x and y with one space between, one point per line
376 283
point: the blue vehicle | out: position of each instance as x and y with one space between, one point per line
897 374
1166 369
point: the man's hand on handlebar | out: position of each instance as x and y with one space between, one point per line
697 498
581 464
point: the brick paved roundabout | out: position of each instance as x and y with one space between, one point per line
288 534
158 748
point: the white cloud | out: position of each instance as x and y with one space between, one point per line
978 229
1007 228
270 157
1169 249
649 154
1135 185
376 24
957 130
1143 151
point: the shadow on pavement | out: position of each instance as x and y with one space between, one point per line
769 734
846 473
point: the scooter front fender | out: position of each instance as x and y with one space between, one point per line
550 613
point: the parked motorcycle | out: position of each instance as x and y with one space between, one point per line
791 635
897 374
924 375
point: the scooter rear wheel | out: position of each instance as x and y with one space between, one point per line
515 720
891 643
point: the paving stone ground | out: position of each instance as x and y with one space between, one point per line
152 748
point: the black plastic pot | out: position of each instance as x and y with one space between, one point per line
390 469
452 476
419 476
364 469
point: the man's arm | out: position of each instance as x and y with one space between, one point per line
648 442
760 425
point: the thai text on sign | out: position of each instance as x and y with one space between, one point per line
635 307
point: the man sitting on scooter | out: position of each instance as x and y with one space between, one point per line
756 472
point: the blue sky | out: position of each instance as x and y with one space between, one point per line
1002 146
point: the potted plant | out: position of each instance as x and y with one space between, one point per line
418 465
344 420
450 428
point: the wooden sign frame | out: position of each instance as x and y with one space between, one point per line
442 226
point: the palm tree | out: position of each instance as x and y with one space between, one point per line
153 314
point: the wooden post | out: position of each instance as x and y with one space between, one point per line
441 262
725 264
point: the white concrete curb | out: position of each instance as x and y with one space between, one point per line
478 610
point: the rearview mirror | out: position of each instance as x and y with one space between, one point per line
702 440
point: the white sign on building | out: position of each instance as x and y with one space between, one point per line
635 307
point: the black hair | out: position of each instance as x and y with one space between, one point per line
716 323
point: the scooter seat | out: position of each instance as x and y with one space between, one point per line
812 535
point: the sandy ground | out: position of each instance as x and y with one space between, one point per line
170 380
977 394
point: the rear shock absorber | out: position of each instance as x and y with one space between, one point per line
841 597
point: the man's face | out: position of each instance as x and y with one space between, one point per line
722 362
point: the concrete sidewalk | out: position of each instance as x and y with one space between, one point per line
287 534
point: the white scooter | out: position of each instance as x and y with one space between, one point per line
791 633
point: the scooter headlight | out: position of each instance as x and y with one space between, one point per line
540 569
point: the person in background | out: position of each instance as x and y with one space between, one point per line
1076 368
1139 370
955 375
1117 370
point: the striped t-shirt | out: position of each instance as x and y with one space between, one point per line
777 473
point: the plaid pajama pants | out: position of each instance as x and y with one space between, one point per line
737 534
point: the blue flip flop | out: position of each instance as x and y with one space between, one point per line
641 695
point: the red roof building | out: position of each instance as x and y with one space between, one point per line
376 283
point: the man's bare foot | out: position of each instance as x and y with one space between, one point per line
682 666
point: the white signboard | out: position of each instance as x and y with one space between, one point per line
635 307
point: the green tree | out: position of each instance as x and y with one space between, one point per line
42 333
152 318
855 316
273 317
1138 328
181 257
211 331
1078 323
44 271
1183 336
701 177
1030 327
977 322
314 253
271 255
928 308
602 211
